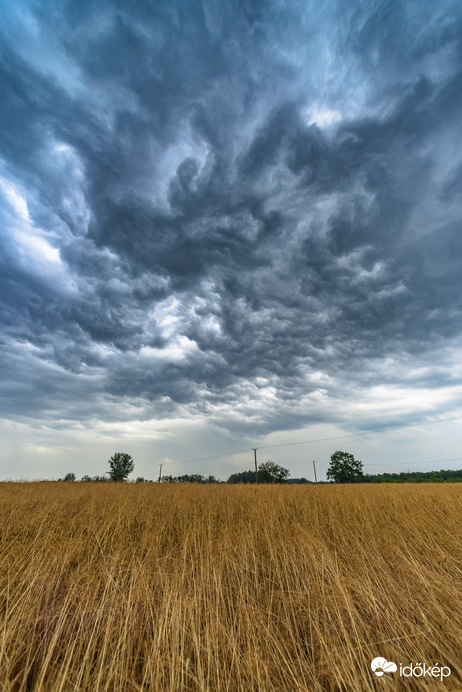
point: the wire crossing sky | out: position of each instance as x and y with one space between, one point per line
226 224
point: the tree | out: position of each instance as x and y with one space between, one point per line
344 468
69 477
242 477
121 465
269 472
190 478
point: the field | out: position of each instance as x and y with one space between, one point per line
185 587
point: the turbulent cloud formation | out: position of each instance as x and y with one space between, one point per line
248 212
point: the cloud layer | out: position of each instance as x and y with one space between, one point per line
248 212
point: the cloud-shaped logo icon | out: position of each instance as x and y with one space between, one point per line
380 666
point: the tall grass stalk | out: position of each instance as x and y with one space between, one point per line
185 587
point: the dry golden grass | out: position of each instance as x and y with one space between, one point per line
160 587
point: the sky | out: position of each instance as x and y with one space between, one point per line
227 225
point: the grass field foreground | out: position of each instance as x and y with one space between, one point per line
184 587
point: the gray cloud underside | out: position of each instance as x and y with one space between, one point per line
216 240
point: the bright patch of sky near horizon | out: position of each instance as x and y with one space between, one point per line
222 226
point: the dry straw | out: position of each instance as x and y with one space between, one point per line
185 587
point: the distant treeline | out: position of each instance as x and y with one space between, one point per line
265 477
415 477
244 477
190 478
249 477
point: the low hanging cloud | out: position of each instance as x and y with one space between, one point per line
247 213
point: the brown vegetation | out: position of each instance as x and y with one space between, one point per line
161 587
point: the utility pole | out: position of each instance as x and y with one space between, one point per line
160 473
314 467
256 467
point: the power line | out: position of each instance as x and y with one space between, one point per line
194 461
366 463
313 441
223 470
365 432
409 463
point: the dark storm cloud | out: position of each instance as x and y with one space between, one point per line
244 199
